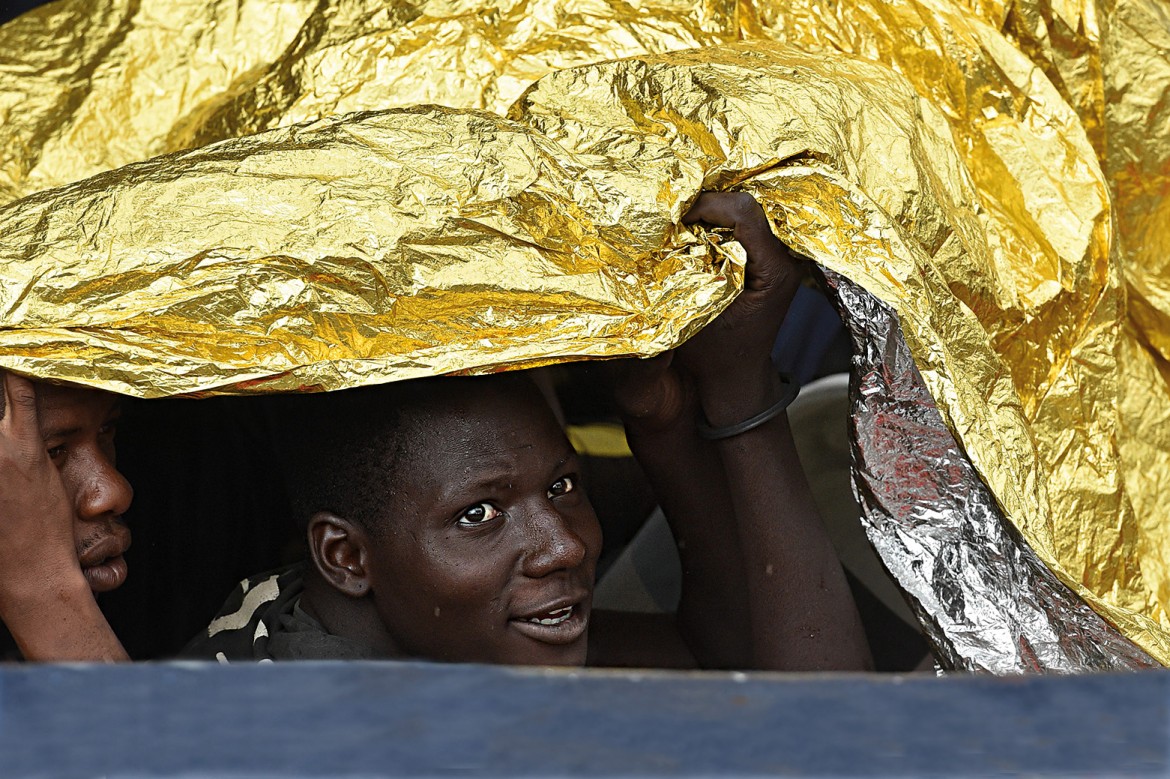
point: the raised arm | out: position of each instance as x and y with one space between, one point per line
45 600
762 585
802 612
659 406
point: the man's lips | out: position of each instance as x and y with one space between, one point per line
560 622
103 565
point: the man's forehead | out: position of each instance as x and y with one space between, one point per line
500 423
60 397
454 462
489 427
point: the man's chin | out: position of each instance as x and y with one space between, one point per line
107 575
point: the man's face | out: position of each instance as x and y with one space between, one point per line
78 427
491 544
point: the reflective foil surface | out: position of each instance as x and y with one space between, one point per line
993 172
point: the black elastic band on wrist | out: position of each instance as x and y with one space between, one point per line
791 390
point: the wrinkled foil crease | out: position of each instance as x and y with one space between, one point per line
909 223
985 601
347 252
1109 62
1013 172
84 89
1051 295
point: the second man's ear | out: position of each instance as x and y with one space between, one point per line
339 550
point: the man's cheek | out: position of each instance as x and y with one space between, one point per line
471 588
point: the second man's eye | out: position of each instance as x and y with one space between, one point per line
479 514
56 452
562 486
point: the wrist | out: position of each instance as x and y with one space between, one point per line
736 396
36 597
63 623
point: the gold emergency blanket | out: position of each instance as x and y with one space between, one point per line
995 172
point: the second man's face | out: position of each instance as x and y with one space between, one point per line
78 427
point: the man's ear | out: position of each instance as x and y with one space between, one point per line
339 549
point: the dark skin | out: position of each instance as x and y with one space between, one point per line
494 534
61 535
768 543
491 550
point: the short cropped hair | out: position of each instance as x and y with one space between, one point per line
343 452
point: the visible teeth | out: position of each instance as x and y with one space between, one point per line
556 616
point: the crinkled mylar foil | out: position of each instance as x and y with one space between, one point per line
352 251
992 172
984 599
1051 295
85 89
877 190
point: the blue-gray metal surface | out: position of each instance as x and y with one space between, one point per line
416 719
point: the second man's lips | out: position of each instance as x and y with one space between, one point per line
110 574
113 543
102 562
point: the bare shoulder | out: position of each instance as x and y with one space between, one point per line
619 639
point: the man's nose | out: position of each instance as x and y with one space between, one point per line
553 544
105 492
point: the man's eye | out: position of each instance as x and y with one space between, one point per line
479 514
56 452
562 486
110 429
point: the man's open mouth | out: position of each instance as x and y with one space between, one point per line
562 624
554 617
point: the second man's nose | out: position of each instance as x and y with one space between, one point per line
103 490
